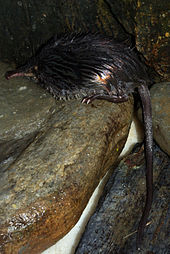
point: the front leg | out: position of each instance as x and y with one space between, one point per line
111 98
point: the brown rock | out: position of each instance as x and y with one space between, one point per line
152 34
47 184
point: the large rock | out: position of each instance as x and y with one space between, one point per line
53 157
112 228
25 109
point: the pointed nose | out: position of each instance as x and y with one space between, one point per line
12 74
17 73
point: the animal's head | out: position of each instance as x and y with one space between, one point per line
27 70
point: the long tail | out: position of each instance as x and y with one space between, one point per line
147 117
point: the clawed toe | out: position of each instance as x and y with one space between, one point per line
87 100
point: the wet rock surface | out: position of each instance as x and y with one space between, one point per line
25 109
120 207
53 155
160 94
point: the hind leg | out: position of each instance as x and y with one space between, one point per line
111 98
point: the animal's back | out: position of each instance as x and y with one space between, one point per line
83 65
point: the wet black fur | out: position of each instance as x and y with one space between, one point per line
67 66
92 67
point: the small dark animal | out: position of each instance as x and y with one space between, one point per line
93 67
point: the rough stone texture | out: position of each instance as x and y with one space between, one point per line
25 110
120 207
53 156
152 34
160 95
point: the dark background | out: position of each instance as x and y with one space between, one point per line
26 24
